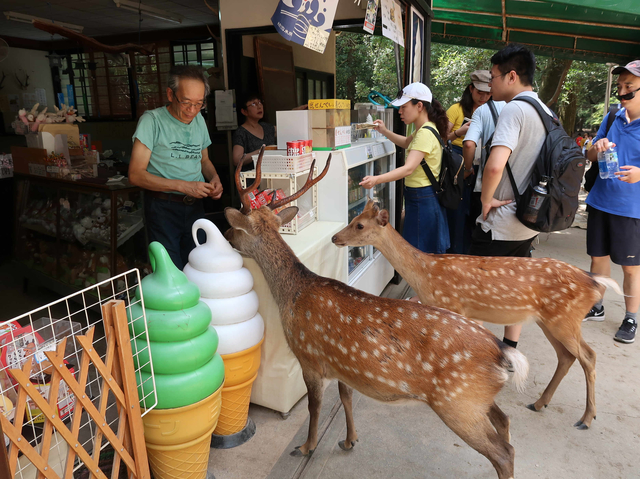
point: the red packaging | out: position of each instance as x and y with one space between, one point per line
308 146
294 148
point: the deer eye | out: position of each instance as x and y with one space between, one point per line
360 226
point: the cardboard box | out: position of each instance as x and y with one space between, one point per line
52 143
330 118
29 160
329 104
329 138
292 126
69 129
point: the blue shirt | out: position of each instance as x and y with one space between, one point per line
176 147
614 196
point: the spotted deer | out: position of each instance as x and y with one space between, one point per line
500 290
387 349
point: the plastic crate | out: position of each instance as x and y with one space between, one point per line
290 183
285 164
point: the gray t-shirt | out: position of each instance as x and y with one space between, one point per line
521 130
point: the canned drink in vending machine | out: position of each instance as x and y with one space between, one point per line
294 148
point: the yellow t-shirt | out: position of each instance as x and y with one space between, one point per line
456 116
426 142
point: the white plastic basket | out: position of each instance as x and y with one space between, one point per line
285 164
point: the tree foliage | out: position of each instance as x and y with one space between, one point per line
365 62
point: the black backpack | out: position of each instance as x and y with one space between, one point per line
561 162
594 170
449 188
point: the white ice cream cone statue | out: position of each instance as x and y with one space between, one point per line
226 287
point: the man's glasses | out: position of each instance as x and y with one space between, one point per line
201 105
628 96
255 103
497 76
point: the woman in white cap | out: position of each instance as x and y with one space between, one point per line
425 220
475 95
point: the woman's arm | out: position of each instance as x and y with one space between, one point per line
399 140
412 162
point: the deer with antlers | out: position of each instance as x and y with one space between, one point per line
387 349
500 290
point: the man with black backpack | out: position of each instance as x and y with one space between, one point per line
518 139
613 226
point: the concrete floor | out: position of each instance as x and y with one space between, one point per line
410 441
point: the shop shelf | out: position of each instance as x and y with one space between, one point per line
134 224
358 202
285 164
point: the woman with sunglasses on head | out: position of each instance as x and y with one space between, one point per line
425 220
171 162
253 133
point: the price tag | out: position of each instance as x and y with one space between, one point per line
369 151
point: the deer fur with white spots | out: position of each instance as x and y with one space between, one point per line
500 290
387 349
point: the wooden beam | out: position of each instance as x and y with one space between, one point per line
504 22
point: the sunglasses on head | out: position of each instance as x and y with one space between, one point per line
402 94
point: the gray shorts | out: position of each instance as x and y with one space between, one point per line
613 235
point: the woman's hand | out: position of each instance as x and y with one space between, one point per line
630 175
462 131
369 182
380 127
603 144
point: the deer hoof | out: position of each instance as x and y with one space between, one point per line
343 445
580 425
298 453
532 407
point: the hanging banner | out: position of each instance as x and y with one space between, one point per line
392 21
370 16
416 46
307 23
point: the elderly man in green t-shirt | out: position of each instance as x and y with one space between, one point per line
171 162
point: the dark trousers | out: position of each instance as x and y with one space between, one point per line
482 244
170 223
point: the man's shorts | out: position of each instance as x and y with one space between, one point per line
613 235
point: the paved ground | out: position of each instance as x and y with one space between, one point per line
410 441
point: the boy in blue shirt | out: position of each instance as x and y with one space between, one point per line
613 227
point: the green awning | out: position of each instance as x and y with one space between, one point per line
591 30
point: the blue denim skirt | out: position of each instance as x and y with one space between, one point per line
425 220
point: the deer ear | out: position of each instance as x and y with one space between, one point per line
287 214
236 219
383 218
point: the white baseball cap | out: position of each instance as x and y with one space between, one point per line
414 91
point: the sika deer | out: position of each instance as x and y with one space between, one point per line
387 349
500 290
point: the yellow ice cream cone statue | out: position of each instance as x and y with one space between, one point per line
188 370
227 288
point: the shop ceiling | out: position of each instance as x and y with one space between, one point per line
103 17
591 30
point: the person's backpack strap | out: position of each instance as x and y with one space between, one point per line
546 120
423 163
613 111
494 112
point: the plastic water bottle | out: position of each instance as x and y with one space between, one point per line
537 198
608 163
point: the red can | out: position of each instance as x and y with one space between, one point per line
294 148
308 146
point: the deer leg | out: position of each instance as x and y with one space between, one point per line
475 428
313 382
587 358
346 396
500 421
565 360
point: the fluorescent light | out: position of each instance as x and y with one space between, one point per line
150 11
24 18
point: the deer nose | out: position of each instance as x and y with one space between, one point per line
334 238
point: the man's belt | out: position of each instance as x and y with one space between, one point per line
175 197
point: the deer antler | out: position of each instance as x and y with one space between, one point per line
26 80
2 80
310 182
244 193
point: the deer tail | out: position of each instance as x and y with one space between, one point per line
520 366
608 282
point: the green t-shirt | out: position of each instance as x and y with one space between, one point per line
176 148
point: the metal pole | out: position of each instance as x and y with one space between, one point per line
609 82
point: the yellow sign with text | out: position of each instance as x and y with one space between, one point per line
332 104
